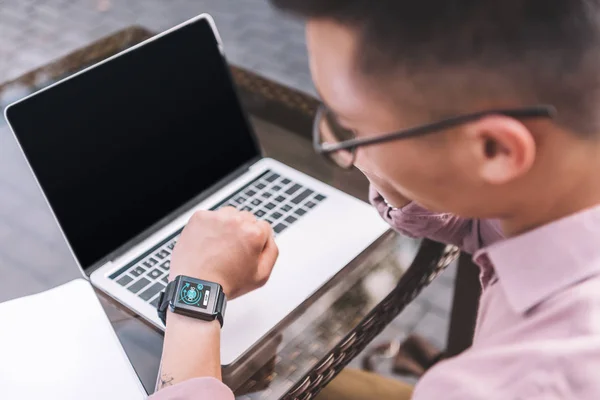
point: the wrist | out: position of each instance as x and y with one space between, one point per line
179 322
191 349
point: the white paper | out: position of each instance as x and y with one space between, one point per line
60 345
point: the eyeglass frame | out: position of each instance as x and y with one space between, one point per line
537 111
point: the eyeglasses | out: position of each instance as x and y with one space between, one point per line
339 144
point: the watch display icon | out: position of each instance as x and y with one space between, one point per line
191 294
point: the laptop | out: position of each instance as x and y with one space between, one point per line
128 149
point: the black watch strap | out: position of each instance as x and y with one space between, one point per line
221 306
164 299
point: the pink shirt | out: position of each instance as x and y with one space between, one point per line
538 327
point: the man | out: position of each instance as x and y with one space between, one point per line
507 93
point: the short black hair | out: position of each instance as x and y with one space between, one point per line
549 48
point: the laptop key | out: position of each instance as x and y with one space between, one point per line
260 185
124 280
266 195
139 285
320 197
279 228
171 245
280 199
239 199
300 212
155 302
162 254
166 265
165 279
293 189
269 221
250 193
256 202
137 271
259 213
310 204
247 208
147 264
155 273
302 196
276 215
270 206
276 188
272 177
285 181
291 220
152 291
286 208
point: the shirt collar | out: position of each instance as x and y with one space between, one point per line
533 266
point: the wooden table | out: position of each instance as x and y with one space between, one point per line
304 353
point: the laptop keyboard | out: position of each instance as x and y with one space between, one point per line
271 197
276 199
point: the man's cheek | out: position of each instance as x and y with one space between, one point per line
371 159
374 178
371 167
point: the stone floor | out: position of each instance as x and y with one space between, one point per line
33 32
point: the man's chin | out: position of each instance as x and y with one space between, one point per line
433 206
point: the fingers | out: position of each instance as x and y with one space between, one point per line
243 222
240 216
227 211
267 234
232 212
259 235
255 233
247 216
265 228
267 260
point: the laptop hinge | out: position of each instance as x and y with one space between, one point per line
172 216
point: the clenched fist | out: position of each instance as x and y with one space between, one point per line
228 247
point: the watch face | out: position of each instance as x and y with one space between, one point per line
193 293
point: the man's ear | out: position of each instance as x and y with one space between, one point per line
502 148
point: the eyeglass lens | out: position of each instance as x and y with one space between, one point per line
331 132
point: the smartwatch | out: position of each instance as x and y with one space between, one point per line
194 298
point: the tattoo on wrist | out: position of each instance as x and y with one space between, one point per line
166 380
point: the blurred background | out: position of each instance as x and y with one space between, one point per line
35 32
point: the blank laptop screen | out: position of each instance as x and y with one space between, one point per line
121 146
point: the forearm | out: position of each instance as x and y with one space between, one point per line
191 350
226 247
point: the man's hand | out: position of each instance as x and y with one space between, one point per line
228 247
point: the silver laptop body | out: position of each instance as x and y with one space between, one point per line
128 149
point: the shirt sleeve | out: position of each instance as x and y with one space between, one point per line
415 221
195 389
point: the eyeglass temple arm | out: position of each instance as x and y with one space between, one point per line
529 112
